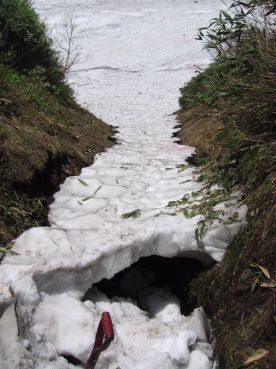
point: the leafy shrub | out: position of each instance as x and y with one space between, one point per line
25 45
231 26
241 81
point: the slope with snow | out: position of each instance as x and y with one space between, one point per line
134 57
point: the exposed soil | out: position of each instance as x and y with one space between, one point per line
236 293
200 128
39 147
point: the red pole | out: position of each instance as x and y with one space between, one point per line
104 336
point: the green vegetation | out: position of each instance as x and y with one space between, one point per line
133 214
201 202
240 86
26 47
236 94
37 91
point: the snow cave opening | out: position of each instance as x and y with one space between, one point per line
157 285
168 279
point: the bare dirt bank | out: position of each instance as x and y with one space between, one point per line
42 140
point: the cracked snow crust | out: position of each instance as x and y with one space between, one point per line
135 55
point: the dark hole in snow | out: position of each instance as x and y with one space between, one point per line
173 275
113 139
176 133
72 360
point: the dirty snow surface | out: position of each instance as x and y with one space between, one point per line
135 200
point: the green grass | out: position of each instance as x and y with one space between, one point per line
35 91
240 87
26 47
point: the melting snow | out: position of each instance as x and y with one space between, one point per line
135 55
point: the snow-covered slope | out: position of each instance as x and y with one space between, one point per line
134 57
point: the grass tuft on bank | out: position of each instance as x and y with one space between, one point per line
228 113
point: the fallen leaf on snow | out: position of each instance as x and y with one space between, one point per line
82 182
133 214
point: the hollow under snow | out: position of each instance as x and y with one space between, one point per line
135 55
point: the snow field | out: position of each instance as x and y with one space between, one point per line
134 57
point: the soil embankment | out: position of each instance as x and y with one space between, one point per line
238 294
43 140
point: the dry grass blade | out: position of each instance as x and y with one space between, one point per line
5 250
263 270
82 182
133 214
258 355
268 285
91 197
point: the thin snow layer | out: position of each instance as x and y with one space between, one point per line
134 55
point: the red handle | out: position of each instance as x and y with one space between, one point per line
107 325
104 336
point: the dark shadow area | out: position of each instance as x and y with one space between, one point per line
72 360
46 180
175 274
176 133
113 139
